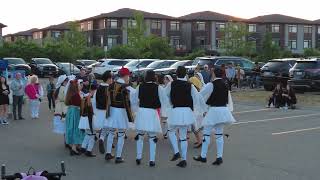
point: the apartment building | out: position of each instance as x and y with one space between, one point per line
289 33
53 31
1 27
23 35
317 32
110 29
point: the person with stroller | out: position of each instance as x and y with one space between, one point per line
276 98
34 92
289 98
4 100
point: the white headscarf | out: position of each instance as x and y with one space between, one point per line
169 77
60 80
201 78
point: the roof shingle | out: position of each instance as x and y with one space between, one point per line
209 16
279 18
62 26
2 25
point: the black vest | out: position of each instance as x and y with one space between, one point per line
119 95
180 94
101 97
219 96
149 96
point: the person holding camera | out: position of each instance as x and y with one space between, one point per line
34 92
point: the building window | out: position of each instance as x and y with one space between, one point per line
318 29
293 44
156 24
174 25
219 43
104 23
252 28
276 42
101 41
132 23
40 35
82 27
175 41
307 44
55 34
89 26
275 28
201 42
112 41
89 40
220 26
112 23
201 26
307 29
292 28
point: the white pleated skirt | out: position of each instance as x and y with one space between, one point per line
100 118
84 123
180 116
148 120
118 119
218 115
60 108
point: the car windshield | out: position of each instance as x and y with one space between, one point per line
69 66
177 64
195 62
154 64
15 61
276 65
307 65
43 61
132 63
88 62
205 61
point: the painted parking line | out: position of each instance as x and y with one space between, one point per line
256 110
276 119
296 131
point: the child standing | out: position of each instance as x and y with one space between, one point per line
50 93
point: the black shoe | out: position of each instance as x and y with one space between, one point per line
89 154
138 161
82 150
67 146
200 159
175 157
101 146
182 164
21 118
152 164
119 160
218 162
108 157
74 153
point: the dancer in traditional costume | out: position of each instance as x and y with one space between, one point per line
147 122
120 114
218 98
184 97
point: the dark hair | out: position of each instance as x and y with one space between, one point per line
150 76
160 79
218 72
5 80
106 75
181 72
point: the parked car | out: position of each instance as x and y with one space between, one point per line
84 63
43 67
276 71
153 66
90 67
67 68
17 64
108 65
306 75
135 65
172 69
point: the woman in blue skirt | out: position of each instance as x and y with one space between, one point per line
74 136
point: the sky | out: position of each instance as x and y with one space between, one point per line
20 15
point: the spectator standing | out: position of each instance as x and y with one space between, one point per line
230 75
84 77
4 100
256 73
206 74
50 93
17 86
240 76
34 92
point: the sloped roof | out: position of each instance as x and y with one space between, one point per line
279 18
62 26
209 16
129 13
2 25
316 21
23 33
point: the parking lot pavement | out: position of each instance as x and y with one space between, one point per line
265 144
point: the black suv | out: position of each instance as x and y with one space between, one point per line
17 64
305 75
276 71
43 67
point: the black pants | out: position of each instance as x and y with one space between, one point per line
17 101
277 101
288 101
51 101
230 83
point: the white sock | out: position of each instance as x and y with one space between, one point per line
206 141
103 134
109 141
173 140
140 146
120 144
183 142
85 141
219 140
153 147
90 143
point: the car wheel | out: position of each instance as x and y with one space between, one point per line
268 87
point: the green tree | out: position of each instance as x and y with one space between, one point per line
21 48
269 49
311 52
123 52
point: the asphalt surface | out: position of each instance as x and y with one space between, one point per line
265 144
